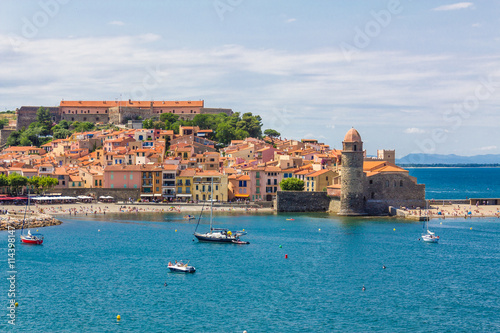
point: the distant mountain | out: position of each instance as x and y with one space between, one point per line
449 159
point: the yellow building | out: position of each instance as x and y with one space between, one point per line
184 185
318 180
202 186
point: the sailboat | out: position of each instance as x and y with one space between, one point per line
429 237
218 235
29 238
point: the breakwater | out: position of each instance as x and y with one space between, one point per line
15 221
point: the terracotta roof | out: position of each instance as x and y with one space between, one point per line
137 104
352 136
187 173
319 172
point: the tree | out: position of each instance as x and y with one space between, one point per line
272 134
169 117
14 138
84 126
148 123
16 181
4 122
61 133
292 184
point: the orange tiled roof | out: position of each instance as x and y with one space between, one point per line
136 104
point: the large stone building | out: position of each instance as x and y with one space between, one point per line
370 187
116 112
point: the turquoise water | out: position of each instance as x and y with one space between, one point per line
459 183
82 278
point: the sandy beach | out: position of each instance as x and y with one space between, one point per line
456 210
103 208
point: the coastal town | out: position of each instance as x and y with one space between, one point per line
130 163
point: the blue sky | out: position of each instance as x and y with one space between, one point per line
415 76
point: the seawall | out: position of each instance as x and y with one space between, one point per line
299 201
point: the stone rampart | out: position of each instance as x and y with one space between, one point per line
299 201
119 194
4 135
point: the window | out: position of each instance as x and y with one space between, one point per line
64 182
373 195
179 190
124 185
216 187
131 176
196 189
400 183
188 182
157 189
269 182
371 181
112 185
124 177
257 182
100 182
96 182
188 190
386 183
257 190
275 189
275 182
135 185
257 174
203 188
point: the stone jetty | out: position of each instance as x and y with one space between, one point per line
34 221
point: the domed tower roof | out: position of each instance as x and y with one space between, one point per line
352 136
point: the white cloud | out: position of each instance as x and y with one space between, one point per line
414 130
488 148
290 20
455 6
476 25
116 23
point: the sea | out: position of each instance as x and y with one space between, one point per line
300 273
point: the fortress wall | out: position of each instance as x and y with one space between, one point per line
4 135
93 118
299 201
118 194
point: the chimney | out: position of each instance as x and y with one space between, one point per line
129 101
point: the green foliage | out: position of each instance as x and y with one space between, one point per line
292 184
61 133
84 126
4 122
14 138
169 117
15 182
42 184
43 117
272 133
3 180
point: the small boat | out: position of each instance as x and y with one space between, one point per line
189 217
180 267
29 238
290 219
430 237
36 239
239 241
217 235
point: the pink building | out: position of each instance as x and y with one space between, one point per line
264 182
122 176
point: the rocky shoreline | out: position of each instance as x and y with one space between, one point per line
15 221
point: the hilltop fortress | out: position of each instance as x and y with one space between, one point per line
116 112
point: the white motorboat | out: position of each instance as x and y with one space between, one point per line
180 267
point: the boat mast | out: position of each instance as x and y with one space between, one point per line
211 202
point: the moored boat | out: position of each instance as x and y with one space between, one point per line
180 267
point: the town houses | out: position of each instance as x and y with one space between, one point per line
168 167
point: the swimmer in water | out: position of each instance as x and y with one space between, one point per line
364 288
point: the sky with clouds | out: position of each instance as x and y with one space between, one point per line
415 76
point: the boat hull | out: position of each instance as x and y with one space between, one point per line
214 238
188 269
429 239
31 241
